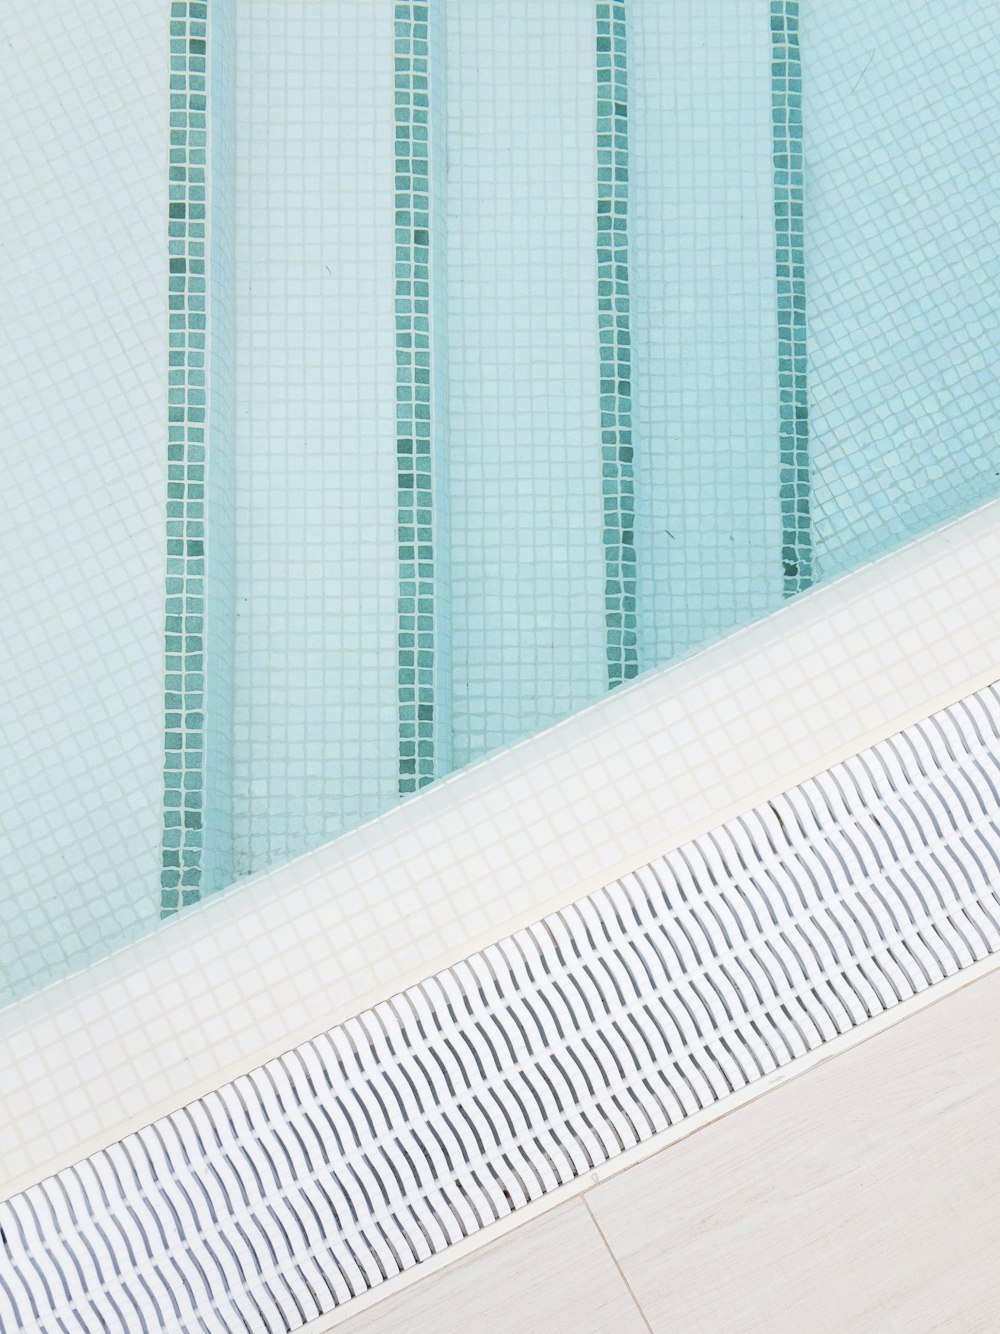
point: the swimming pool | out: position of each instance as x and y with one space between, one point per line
617 461
514 349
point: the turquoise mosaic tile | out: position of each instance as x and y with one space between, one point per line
488 386
83 369
197 835
218 863
900 147
704 334
526 521
786 113
617 471
184 679
316 661
415 424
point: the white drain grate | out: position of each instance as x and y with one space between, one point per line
359 1154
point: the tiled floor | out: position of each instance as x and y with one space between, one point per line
580 1287
859 1197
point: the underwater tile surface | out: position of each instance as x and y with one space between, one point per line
526 507
83 360
705 329
316 559
185 660
390 379
900 141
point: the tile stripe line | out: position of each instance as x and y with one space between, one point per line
617 467
184 679
416 646
356 1155
786 121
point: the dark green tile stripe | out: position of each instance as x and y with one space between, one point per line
786 117
617 477
184 766
415 498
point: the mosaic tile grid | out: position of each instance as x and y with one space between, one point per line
244 976
617 473
440 388
83 360
527 1066
220 482
901 136
184 773
902 429
526 519
704 335
786 113
419 441
315 682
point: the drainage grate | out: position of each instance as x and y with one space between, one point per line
360 1153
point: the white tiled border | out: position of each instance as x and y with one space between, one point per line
496 847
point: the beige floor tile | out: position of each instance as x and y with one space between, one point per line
864 1196
553 1275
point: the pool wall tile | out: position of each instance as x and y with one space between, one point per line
84 99
316 745
220 479
197 813
900 145
617 471
704 328
421 379
786 118
205 585
526 518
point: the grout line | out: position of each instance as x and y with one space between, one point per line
614 1257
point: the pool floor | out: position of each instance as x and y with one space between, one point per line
514 348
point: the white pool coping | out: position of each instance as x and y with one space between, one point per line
495 847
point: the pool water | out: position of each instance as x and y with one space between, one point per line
539 342
524 378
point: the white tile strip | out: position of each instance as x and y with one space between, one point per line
495 847
358 1154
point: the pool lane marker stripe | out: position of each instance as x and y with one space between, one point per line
617 474
786 121
416 646
184 643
